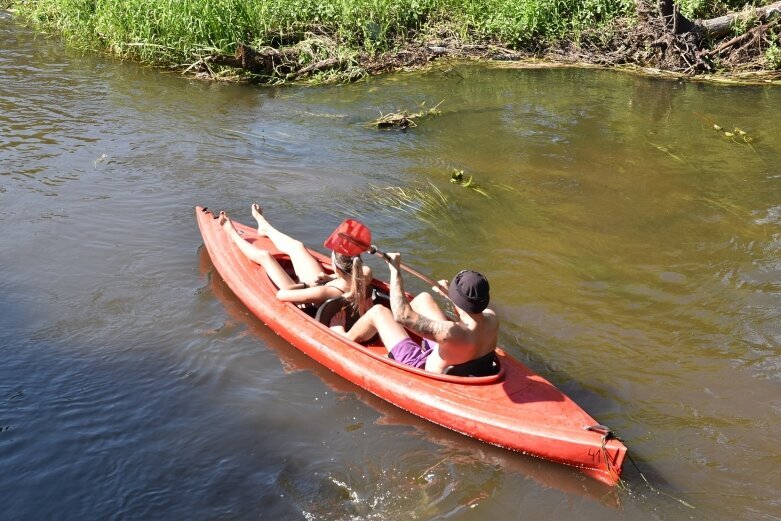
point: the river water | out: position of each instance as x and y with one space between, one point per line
634 253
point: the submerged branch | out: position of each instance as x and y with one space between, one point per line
404 119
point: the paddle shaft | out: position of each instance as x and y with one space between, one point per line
406 268
373 250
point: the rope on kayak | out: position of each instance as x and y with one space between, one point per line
607 435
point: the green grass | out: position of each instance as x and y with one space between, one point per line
713 8
178 30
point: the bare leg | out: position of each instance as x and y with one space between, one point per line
275 272
306 267
425 304
378 319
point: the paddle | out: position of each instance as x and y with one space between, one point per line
353 237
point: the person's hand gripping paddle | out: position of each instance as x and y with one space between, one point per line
353 237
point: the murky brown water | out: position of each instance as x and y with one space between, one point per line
634 255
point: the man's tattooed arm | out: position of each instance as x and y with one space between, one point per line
439 330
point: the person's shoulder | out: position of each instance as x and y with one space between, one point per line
490 316
489 313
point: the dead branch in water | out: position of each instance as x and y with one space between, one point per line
403 119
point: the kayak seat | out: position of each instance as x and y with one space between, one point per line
332 306
380 297
486 365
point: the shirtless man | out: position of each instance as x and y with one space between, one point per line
445 342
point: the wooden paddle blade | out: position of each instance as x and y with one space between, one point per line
350 238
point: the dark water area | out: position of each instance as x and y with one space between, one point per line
634 254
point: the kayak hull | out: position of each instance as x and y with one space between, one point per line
516 409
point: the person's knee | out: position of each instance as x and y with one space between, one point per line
375 311
297 246
424 303
424 299
261 256
379 313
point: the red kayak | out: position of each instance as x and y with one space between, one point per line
515 408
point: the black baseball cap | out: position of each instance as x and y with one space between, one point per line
469 291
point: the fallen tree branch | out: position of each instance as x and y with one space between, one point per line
721 26
742 38
322 65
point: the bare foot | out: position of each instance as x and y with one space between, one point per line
224 221
257 213
227 225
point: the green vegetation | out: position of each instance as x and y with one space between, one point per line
457 177
176 31
333 40
404 119
424 202
711 8
773 56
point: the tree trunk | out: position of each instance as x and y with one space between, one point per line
718 27
675 22
721 26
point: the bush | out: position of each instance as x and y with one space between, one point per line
773 56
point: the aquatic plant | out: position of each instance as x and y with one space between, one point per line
457 177
404 119
736 135
423 202
666 150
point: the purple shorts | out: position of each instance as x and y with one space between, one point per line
408 352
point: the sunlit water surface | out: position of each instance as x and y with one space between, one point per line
634 254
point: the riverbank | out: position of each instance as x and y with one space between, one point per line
283 41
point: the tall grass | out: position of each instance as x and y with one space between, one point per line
171 30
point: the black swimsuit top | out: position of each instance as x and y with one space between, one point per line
310 308
326 284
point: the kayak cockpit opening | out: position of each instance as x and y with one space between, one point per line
486 365
337 311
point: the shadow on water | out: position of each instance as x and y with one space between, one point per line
126 439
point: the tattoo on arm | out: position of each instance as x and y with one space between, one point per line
437 329
411 319
399 303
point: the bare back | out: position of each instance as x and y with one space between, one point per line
480 335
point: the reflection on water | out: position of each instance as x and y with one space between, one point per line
633 252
